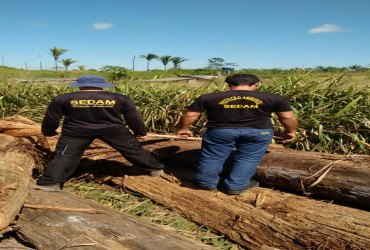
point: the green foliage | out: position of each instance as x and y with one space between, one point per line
149 57
67 62
215 62
165 60
27 99
177 61
56 53
332 116
115 73
332 108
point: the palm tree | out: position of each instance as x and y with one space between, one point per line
149 57
165 60
81 67
56 53
177 61
67 62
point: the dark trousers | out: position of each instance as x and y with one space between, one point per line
69 151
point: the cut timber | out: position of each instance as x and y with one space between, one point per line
56 229
15 173
334 177
261 217
337 178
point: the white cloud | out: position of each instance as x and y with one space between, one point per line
102 26
326 28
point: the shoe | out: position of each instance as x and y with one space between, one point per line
252 184
46 188
156 173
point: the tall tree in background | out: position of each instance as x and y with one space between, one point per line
67 62
215 63
149 57
177 61
81 67
56 53
165 60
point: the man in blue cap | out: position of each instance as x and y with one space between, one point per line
89 114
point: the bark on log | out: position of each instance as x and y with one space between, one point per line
338 178
342 178
261 217
15 173
56 229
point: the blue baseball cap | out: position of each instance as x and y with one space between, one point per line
91 81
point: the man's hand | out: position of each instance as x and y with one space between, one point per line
141 137
286 137
184 133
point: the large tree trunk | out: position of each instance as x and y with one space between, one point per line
261 217
338 178
344 179
15 173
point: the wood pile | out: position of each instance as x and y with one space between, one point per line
263 217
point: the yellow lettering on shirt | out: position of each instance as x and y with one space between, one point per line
92 103
240 106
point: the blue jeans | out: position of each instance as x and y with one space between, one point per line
250 145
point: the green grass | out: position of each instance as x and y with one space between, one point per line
332 109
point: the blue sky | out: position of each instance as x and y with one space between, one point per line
250 33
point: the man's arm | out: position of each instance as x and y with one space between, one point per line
187 119
133 119
289 121
51 119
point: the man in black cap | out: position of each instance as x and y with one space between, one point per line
89 114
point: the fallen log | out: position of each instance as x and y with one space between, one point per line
15 174
333 177
70 228
261 217
337 178
258 219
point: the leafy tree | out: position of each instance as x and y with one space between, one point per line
149 57
215 62
115 72
110 68
56 53
81 67
165 60
355 67
177 61
67 62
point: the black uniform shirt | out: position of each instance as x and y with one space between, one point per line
240 108
92 113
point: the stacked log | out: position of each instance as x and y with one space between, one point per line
15 174
264 217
